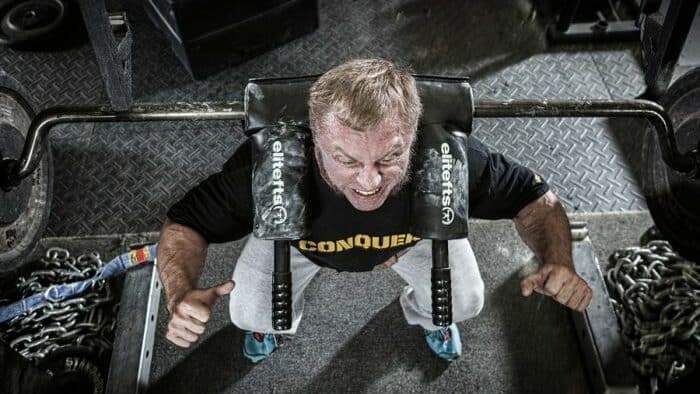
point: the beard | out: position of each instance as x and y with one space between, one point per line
324 173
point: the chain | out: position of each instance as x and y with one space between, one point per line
656 295
88 320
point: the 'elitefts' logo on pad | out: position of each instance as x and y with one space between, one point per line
278 210
448 214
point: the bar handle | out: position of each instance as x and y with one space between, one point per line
441 285
282 288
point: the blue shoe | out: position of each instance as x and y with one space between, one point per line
445 342
258 346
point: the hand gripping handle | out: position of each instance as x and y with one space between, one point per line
282 288
441 285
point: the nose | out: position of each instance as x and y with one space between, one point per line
369 178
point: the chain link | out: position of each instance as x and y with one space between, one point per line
656 295
88 320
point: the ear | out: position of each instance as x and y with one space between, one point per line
317 154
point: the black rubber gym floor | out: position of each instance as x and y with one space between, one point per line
121 178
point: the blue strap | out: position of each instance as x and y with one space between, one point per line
60 292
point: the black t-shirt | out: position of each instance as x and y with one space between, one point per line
221 209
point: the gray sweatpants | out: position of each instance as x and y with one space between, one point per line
251 299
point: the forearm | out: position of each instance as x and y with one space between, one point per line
181 253
544 227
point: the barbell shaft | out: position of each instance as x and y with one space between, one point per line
45 120
655 113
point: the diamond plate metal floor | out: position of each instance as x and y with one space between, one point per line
580 157
122 178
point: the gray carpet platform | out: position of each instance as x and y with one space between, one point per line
353 336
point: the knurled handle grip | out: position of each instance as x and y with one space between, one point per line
282 288
282 300
441 286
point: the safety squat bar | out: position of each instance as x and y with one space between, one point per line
12 171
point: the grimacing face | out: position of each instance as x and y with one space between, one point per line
364 166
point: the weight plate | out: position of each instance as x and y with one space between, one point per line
77 370
673 198
14 202
33 20
6 5
18 238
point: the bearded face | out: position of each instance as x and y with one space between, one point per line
364 166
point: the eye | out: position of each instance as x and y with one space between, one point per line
391 159
344 160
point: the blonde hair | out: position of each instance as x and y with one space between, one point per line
363 93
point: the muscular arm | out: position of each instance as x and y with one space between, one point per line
544 227
181 253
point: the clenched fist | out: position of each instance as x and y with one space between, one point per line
561 283
189 314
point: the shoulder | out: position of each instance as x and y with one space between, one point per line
241 157
478 156
477 149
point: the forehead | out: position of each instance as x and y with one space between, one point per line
375 140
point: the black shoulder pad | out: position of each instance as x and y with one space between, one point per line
284 100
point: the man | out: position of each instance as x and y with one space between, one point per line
363 116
